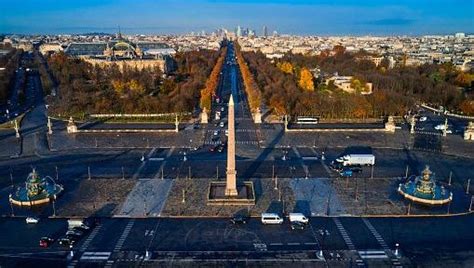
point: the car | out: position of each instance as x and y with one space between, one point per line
45 241
239 219
336 166
220 148
423 118
75 233
82 228
67 241
216 132
221 124
227 132
297 225
215 138
32 220
222 109
356 169
347 172
213 148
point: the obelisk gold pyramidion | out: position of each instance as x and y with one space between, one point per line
231 182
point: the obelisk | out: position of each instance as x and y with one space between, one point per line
231 182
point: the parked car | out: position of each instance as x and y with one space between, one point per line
336 166
297 225
216 132
423 118
45 241
355 169
239 219
347 172
221 124
32 220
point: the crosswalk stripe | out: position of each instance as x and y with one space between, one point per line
344 234
99 256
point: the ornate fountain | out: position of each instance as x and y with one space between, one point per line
424 190
36 191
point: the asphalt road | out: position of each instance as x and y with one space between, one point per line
208 239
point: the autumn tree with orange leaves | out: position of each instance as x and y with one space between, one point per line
212 82
251 88
306 80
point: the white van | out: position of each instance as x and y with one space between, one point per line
271 218
298 217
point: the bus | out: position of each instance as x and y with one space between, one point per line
308 120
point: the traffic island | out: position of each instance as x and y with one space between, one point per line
217 194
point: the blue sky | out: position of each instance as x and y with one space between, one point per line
392 17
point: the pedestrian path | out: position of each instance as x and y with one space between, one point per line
344 234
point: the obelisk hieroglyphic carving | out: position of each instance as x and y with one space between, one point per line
231 182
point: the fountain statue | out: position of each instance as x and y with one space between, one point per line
424 190
36 191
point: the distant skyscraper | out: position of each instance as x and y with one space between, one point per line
239 31
265 31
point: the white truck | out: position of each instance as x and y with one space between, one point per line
299 217
78 223
357 159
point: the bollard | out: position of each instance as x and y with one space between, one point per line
396 250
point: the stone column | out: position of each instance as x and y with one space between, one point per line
469 132
71 126
17 129
231 182
50 126
176 123
204 117
257 117
445 129
390 125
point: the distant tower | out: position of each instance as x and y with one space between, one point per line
265 31
239 31
119 34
